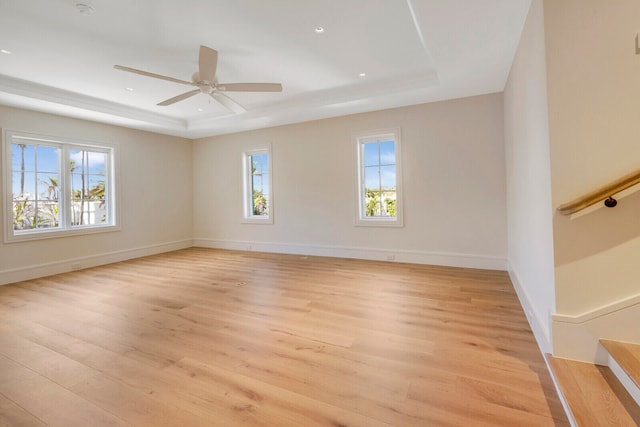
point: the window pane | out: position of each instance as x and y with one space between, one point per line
47 214
260 203
259 184
371 154
97 162
77 213
24 184
48 186
76 186
258 178
35 187
88 212
95 195
23 178
259 164
47 159
20 153
88 190
264 163
24 214
372 178
388 203
387 153
96 189
372 206
264 185
76 159
388 177
93 212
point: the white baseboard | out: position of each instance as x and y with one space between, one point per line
48 269
416 257
577 336
563 399
392 255
540 331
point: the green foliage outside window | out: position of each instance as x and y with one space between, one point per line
259 203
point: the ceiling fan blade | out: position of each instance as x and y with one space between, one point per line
228 102
250 87
208 63
148 74
179 97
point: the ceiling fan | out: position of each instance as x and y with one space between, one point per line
206 82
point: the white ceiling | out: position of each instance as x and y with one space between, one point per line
412 51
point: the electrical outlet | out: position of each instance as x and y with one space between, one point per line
391 257
76 266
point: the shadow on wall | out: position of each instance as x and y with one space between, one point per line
597 231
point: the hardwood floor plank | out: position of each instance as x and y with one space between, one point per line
283 406
12 414
213 337
210 402
54 404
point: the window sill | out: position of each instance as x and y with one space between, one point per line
379 223
55 234
258 220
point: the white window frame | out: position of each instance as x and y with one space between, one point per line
247 198
360 140
65 229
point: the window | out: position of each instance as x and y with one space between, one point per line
258 198
56 187
379 178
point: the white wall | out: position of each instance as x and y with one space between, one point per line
155 183
594 88
529 210
593 75
454 187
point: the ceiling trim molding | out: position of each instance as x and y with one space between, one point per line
41 92
418 27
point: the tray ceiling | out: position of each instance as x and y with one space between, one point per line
411 51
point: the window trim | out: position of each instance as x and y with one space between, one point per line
65 145
247 194
360 139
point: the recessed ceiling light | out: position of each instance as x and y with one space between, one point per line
5 51
85 9
362 74
200 109
130 89
319 30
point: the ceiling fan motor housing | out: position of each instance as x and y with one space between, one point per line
208 62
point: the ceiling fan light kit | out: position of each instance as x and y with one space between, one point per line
207 83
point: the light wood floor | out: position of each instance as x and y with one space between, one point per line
204 337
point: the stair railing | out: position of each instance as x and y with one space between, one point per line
603 194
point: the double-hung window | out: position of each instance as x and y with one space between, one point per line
258 197
379 178
56 187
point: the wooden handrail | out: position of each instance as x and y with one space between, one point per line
600 194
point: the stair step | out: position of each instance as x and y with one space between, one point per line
628 357
594 395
